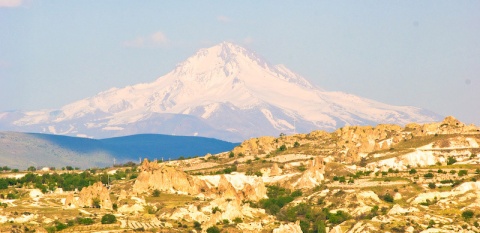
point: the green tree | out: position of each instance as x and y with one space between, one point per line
451 160
432 185
321 227
156 193
96 203
109 219
296 144
462 173
467 214
428 175
197 225
3 183
388 198
31 169
213 229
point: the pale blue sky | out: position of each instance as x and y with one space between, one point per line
418 53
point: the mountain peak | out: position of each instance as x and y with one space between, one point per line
225 91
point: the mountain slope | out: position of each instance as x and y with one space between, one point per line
21 150
225 92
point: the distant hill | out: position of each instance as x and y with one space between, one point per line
21 150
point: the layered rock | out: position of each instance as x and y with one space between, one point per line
255 191
311 177
275 170
96 192
226 189
168 179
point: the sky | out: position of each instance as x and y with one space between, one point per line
417 53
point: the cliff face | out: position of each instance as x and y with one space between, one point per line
168 179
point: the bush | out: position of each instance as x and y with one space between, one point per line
432 185
428 175
109 219
462 173
467 214
237 220
156 193
213 229
388 198
451 160
197 225
215 209
338 217
60 226
85 221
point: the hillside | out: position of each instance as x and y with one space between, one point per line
21 150
225 92
384 178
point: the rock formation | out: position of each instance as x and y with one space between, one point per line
255 191
275 170
311 177
226 190
288 228
96 192
167 179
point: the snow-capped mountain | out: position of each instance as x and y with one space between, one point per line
226 92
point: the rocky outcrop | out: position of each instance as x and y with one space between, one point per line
255 191
311 177
70 201
275 170
450 125
288 228
154 175
226 189
95 193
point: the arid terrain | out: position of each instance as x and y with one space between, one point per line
384 178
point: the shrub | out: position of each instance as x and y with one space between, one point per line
432 185
467 214
60 226
451 160
197 225
237 220
462 173
156 193
213 229
109 219
412 171
85 221
387 197
215 209
428 175
231 155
